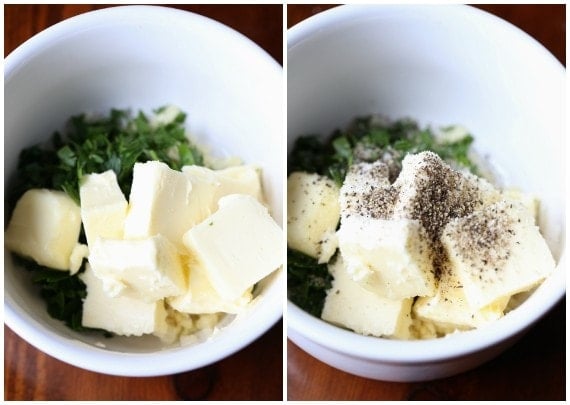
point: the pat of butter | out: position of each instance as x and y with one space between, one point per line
103 206
362 181
159 203
45 226
528 200
388 257
208 186
205 186
497 252
123 315
149 268
349 305
243 179
313 213
449 309
237 246
201 298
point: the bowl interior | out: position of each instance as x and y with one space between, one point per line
441 65
141 57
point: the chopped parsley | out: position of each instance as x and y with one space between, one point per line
307 282
94 145
368 139
62 293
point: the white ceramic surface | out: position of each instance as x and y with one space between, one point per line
142 57
441 65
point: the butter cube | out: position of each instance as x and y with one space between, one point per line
349 305
149 268
243 179
123 315
201 298
313 213
528 200
362 182
237 246
45 226
208 186
205 185
497 252
103 206
449 309
388 257
159 203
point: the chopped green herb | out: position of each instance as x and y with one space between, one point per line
368 139
307 282
115 142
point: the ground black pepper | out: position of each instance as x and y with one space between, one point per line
483 239
427 189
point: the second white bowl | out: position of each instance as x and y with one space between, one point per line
441 65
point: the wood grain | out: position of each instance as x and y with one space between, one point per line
254 373
533 369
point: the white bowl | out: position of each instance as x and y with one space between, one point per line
441 65
142 57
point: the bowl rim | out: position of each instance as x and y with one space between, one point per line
93 358
455 345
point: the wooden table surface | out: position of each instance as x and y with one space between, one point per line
533 369
254 373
